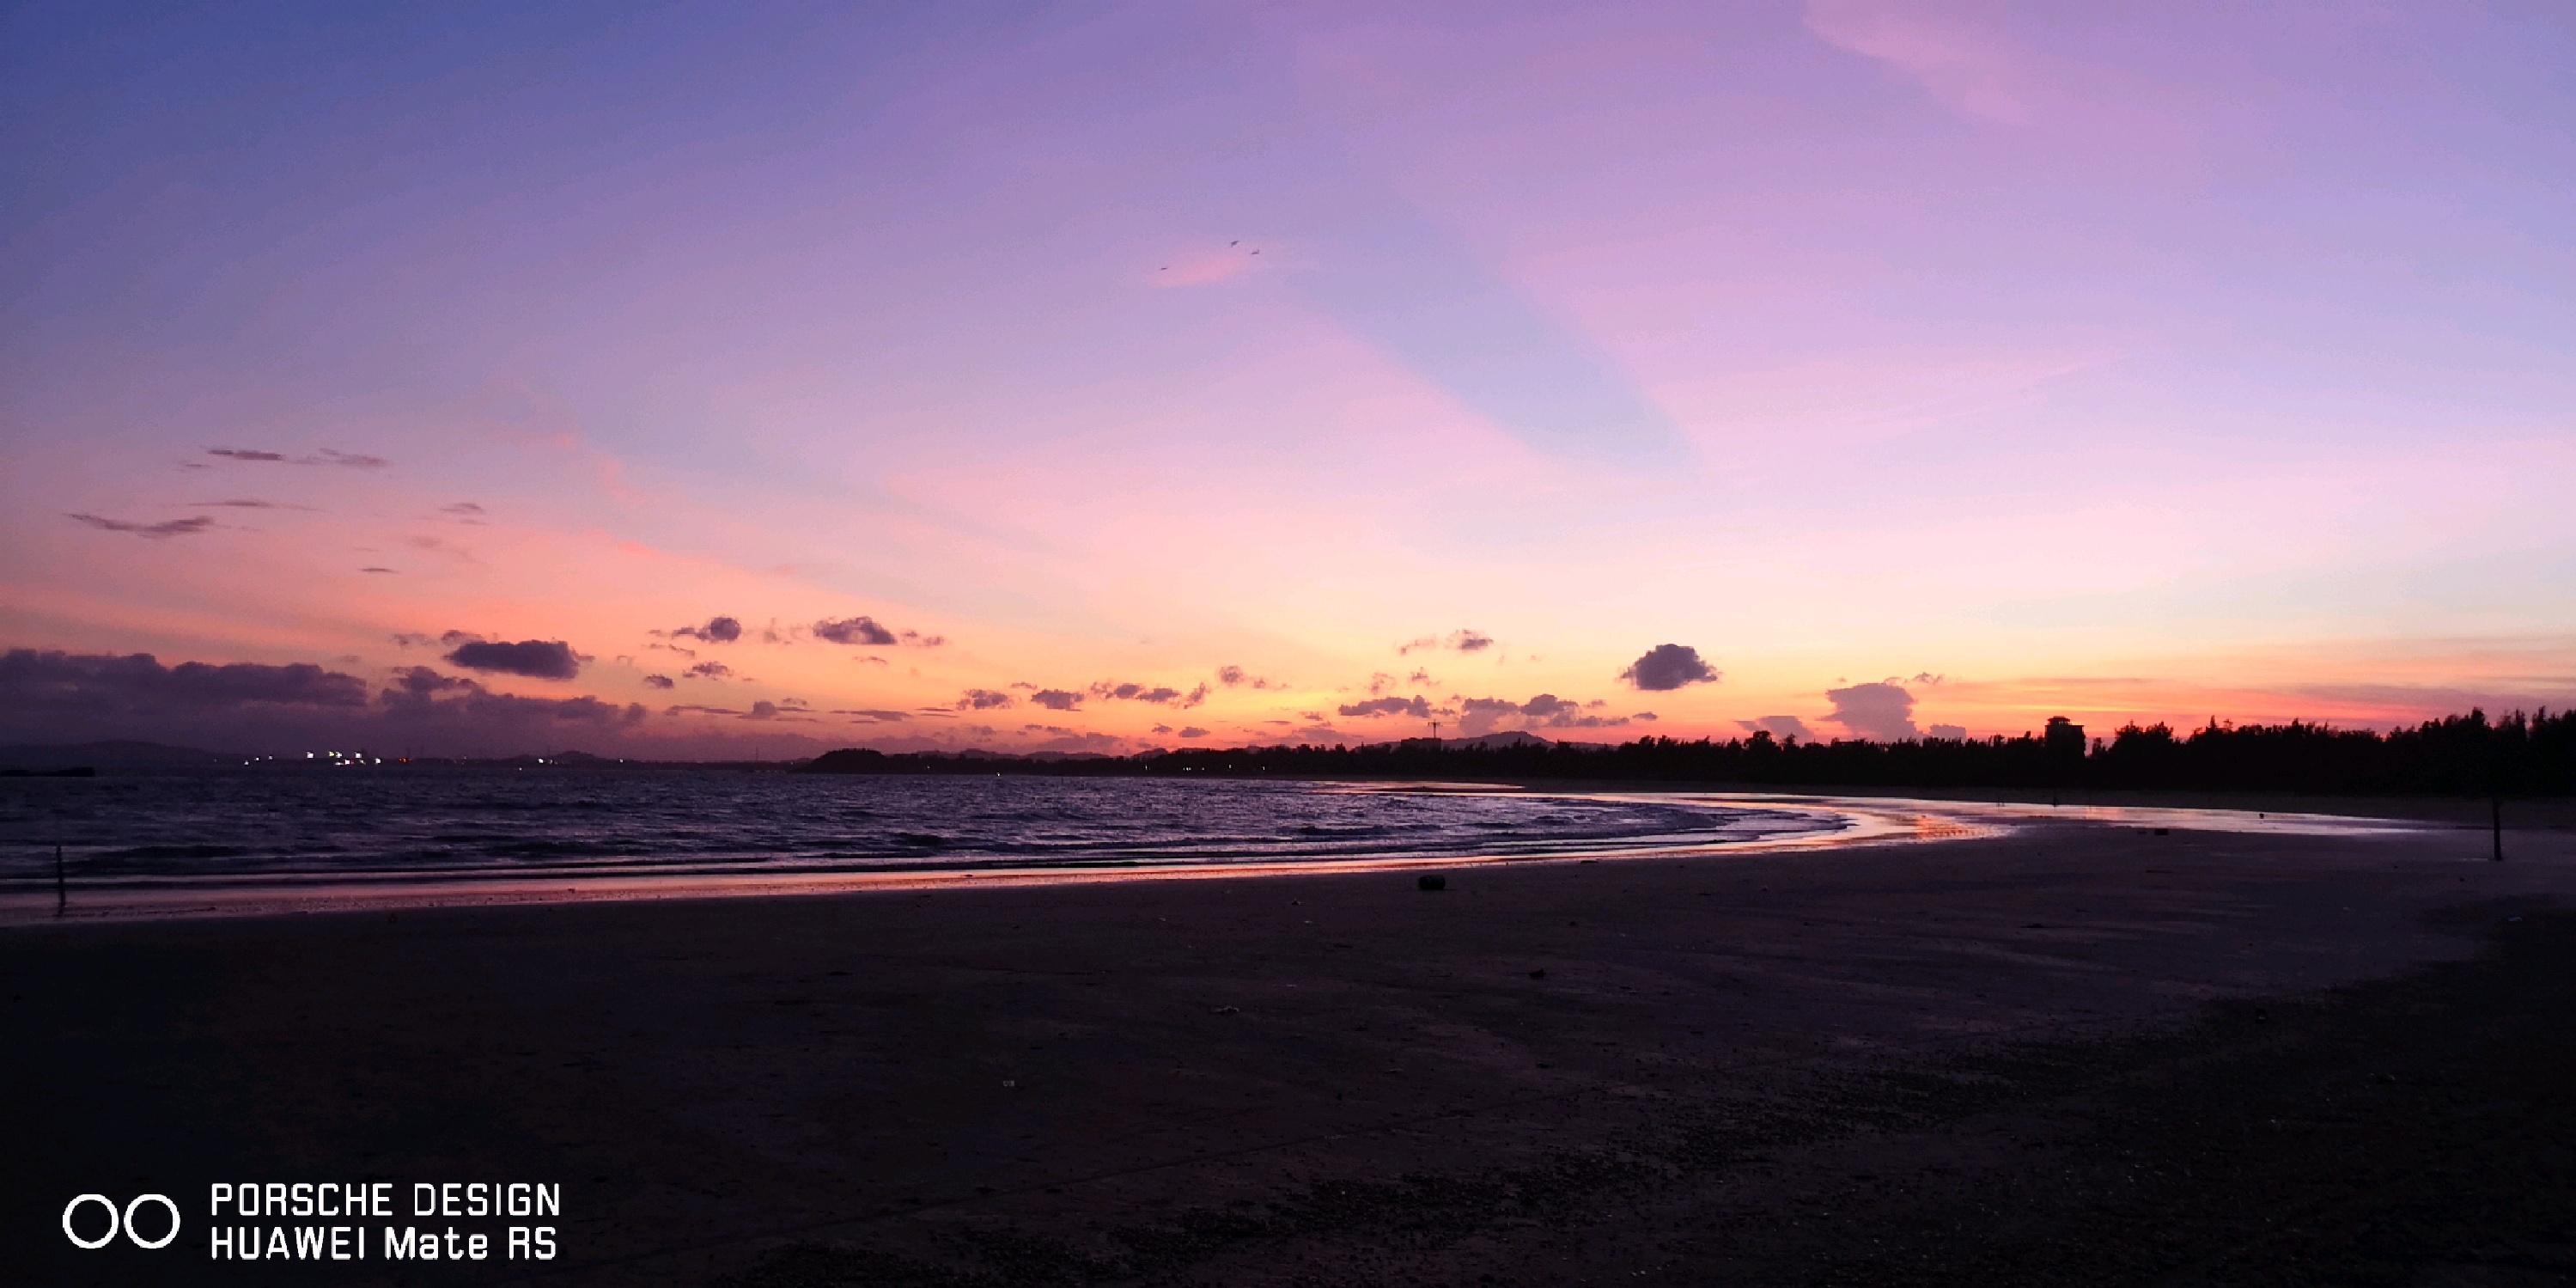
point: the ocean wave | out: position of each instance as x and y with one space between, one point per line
443 823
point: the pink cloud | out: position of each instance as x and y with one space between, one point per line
1207 267
1956 65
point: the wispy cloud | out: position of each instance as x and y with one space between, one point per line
1209 264
1960 66
324 456
444 549
1417 292
1160 694
149 531
1461 641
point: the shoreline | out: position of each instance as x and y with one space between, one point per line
274 895
1866 820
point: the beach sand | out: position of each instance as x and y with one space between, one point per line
2076 1053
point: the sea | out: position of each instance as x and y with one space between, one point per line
399 823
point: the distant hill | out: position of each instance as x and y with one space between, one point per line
118 754
1497 741
864 760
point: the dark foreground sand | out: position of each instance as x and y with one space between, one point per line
2075 1055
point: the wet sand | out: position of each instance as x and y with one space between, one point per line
2035 1058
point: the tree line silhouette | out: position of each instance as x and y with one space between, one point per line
2517 755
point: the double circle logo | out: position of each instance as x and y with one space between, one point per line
121 1221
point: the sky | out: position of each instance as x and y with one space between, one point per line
758 378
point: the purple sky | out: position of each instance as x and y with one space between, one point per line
2114 361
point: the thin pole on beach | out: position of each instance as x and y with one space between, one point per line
62 891
2495 822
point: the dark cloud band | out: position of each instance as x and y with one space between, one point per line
535 659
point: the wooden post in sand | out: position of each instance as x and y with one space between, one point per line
62 892
2495 820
